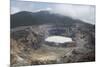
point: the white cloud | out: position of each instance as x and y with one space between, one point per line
85 13
45 9
14 10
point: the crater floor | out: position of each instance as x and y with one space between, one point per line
29 47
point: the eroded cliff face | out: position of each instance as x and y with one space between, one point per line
28 46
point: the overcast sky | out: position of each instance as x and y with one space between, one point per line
82 12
